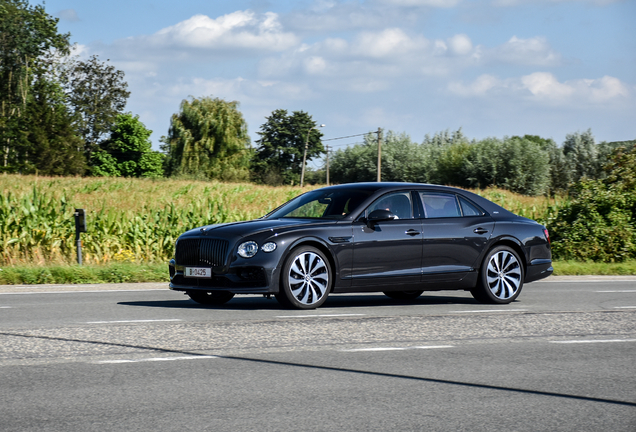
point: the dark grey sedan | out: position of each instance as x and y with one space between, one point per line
397 238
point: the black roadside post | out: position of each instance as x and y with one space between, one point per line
80 227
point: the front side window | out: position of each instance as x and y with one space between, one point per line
322 204
398 203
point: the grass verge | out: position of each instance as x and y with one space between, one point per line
573 268
158 272
75 274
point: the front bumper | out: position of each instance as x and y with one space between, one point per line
237 280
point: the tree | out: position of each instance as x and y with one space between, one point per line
402 160
28 35
598 222
444 157
517 164
279 156
208 139
128 152
582 155
53 147
97 94
357 163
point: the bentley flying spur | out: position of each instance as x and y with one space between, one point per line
397 238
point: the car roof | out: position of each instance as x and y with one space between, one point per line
378 187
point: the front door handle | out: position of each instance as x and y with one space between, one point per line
412 232
480 231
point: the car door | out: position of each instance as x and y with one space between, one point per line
455 233
388 252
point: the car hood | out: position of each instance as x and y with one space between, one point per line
245 228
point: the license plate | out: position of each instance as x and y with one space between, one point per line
197 272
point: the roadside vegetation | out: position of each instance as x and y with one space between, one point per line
133 224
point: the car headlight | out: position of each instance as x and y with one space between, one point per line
248 249
269 247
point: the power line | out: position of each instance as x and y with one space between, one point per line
350 136
347 144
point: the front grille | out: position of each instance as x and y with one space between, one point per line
201 252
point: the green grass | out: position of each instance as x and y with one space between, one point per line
573 268
75 274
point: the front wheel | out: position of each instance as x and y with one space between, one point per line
500 278
210 297
305 280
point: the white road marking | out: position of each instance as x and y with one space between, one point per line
593 341
319 316
134 321
397 348
5 307
584 280
624 307
155 359
618 291
491 310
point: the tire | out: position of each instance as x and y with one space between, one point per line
403 295
500 277
210 297
305 280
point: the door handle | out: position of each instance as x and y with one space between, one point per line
412 232
480 231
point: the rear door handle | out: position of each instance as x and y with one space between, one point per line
412 232
480 231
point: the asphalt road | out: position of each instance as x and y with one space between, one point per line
138 357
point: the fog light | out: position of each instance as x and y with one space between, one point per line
269 247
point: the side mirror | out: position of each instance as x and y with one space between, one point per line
379 216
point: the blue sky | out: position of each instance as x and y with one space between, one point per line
491 67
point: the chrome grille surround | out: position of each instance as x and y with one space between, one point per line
204 252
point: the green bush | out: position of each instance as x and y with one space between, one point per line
598 223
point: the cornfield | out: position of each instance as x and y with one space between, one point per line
139 220
128 220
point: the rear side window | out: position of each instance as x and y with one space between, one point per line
440 205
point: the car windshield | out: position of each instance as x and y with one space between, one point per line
322 204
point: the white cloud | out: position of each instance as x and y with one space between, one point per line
534 51
480 87
388 43
315 65
544 87
460 44
429 3
380 57
507 3
237 30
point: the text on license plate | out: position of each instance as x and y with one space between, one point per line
198 272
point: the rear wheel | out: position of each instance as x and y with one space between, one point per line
501 277
210 297
306 279
403 295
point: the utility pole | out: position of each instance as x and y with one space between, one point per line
327 148
379 132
